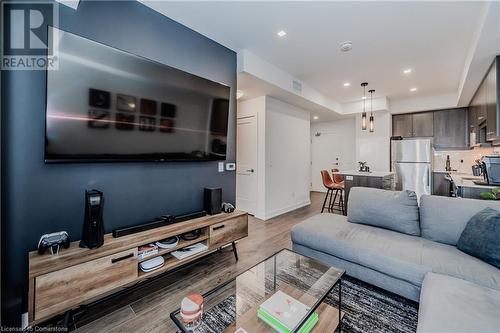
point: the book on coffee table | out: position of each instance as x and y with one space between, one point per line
283 313
278 326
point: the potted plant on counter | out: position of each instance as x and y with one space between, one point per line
494 194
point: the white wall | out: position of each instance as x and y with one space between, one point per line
374 148
283 150
423 103
288 164
337 139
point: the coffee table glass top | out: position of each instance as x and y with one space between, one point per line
234 304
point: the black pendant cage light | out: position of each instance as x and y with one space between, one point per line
372 122
363 115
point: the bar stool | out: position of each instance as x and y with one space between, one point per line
330 187
338 181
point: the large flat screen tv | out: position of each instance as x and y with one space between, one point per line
105 105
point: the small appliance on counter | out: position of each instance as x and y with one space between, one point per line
477 169
491 170
93 225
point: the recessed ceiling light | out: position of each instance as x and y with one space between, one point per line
347 84
364 97
346 46
281 33
413 89
407 71
315 117
239 94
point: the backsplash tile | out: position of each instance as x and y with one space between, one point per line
457 156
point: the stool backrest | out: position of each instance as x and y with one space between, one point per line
327 180
336 177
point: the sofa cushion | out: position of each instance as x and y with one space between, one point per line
386 251
443 219
449 304
405 257
393 210
481 237
447 259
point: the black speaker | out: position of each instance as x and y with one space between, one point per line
93 225
212 200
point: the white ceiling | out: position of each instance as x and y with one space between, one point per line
432 38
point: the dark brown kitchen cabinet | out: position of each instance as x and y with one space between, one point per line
473 128
481 107
483 119
412 125
450 129
490 83
422 124
402 125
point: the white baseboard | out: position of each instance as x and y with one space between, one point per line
280 211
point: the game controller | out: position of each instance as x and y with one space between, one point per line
53 241
227 207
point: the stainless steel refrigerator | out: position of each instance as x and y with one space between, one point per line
411 161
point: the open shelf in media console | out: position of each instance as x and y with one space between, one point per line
182 243
171 262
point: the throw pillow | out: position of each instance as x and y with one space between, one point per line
393 210
481 237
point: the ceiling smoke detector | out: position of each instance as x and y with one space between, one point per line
346 46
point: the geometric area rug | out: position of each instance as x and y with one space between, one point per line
367 309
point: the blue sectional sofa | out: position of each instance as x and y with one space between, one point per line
388 240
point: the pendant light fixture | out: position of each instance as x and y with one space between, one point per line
372 128
363 115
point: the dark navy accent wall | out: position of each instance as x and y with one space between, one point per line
38 198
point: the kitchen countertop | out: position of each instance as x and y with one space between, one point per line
366 174
467 180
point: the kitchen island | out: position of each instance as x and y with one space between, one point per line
375 179
464 186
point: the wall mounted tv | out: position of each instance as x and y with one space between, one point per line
105 105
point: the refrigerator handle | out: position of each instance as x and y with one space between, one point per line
429 177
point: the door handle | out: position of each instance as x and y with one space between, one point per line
219 227
250 170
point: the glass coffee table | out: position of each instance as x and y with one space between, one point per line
234 305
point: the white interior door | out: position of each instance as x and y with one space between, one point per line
246 164
328 152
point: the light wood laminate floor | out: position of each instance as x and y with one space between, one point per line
147 309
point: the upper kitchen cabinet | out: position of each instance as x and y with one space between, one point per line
412 125
481 106
450 129
484 109
490 83
422 124
402 125
473 128
447 127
